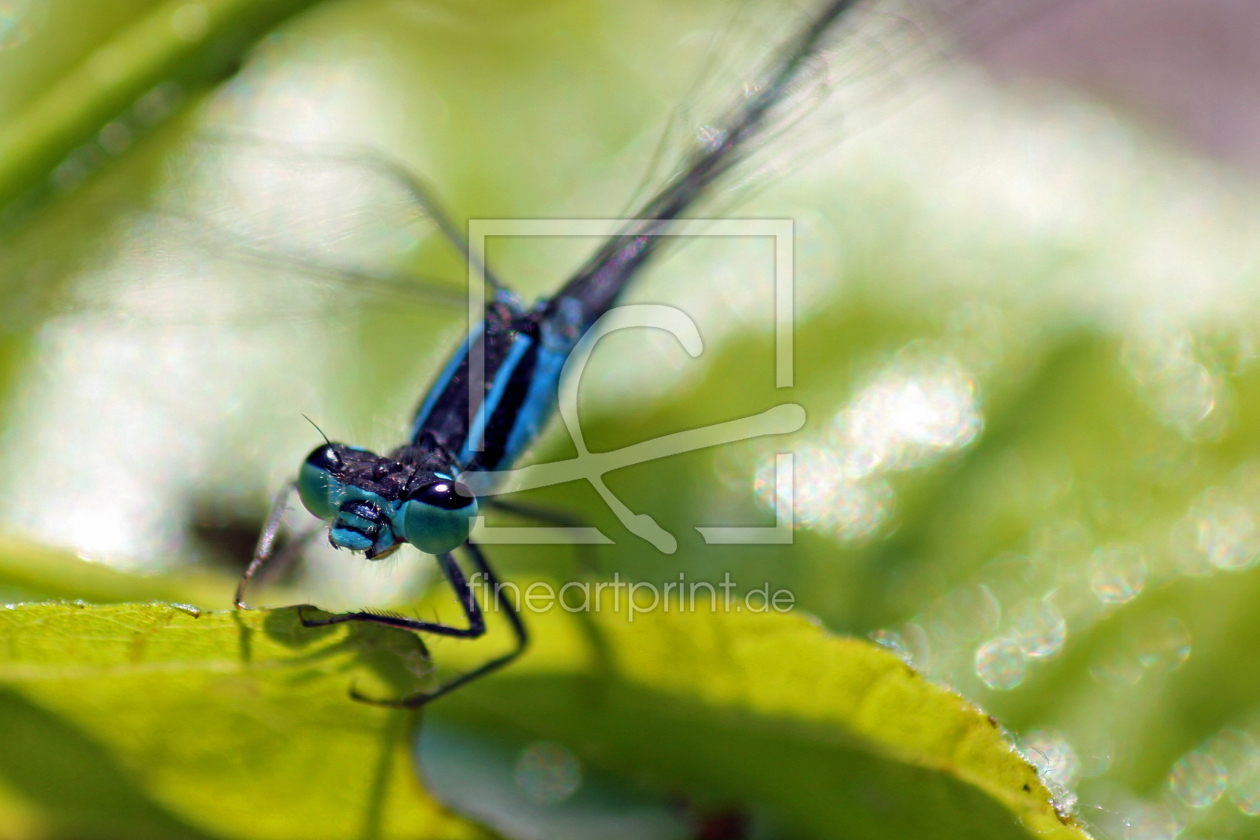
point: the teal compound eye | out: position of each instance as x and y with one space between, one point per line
317 483
439 516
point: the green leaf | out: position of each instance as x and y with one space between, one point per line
157 721
835 736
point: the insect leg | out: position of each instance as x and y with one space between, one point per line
518 630
284 559
463 590
266 546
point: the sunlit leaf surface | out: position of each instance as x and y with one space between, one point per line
764 714
153 721
177 724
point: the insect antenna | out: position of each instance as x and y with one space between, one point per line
318 429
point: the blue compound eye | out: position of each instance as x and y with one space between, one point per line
317 483
438 516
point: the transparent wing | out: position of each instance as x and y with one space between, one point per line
345 204
880 54
246 229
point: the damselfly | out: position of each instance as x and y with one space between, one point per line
499 388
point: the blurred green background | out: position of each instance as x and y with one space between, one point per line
1024 340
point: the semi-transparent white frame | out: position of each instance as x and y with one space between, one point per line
782 232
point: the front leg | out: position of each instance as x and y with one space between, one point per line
266 546
415 701
463 591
